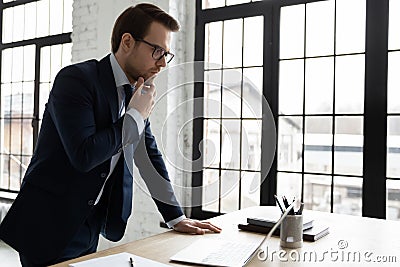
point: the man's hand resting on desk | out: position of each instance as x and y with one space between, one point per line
195 227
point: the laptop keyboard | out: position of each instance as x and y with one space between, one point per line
230 254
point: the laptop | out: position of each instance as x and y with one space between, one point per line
212 251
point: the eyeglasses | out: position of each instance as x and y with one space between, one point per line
158 51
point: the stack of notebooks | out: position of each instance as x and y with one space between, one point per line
311 231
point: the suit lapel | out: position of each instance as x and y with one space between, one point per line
108 86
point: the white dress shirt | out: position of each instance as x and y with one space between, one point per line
134 128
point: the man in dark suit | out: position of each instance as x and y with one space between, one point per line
78 183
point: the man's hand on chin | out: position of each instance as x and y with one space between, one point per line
195 227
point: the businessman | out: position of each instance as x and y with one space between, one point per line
78 184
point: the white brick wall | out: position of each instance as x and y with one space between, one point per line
92 26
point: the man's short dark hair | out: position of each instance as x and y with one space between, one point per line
136 20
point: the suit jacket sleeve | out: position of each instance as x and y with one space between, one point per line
72 108
152 168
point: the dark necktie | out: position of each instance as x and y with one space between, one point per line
128 94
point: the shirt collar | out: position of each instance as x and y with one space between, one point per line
119 74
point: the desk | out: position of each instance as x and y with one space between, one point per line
366 237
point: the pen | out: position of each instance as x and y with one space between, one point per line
300 211
279 204
285 202
131 262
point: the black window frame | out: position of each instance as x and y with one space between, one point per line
39 43
375 98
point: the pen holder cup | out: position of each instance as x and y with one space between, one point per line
291 232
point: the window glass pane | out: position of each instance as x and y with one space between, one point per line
251 144
229 191
289 185
393 200
4 170
45 64
393 146
16 100
292 31
6 63
231 95
253 41
233 32
56 14
212 94
347 194
43 14
318 144
15 172
230 147
4 178
349 92
319 85
291 86
17 63
5 99
317 190
213 43
320 28
7 28
16 136
67 25
29 62
212 3
27 138
6 141
349 145
250 190
210 190
55 60
290 143
30 21
211 143
252 92
28 99
350 26
44 96
393 82
18 25
66 54
394 24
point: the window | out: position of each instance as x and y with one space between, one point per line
323 74
33 51
393 120
321 92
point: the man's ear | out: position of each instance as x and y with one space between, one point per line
127 42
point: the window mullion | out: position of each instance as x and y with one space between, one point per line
375 110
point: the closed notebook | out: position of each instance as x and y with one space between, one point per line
312 234
270 222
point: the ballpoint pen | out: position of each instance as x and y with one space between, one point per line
300 211
131 262
285 202
279 204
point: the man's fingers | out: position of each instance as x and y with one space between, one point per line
195 230
209 226
151 90
139 84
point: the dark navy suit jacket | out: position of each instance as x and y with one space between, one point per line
80 133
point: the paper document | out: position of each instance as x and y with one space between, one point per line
118 260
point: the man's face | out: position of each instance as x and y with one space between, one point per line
140 62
